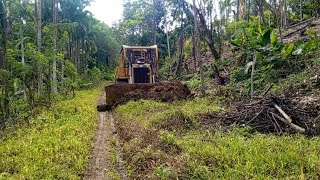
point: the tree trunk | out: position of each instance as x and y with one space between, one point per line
180 57
5 33
22 54
78 56
241 10
194 52
210 42
249 5
260 8
276 12
38 8
196 49
208 34
154 23
54 82
181 47
283 10
301 13
285 13
168 45
238 10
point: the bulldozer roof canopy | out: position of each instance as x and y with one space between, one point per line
139 47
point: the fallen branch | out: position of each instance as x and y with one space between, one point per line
298 30
284 114
293 126
267 91
299 23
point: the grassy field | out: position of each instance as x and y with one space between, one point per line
169 141
55 145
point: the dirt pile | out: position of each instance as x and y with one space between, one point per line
272 114
164 92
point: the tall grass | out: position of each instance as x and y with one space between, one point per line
56 144
196 152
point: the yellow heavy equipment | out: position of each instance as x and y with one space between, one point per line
137 78
138 64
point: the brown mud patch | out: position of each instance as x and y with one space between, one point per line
117 94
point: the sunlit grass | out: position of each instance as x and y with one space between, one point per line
57 143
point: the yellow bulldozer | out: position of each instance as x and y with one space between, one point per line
136 77
138 64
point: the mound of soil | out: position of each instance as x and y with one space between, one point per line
164 92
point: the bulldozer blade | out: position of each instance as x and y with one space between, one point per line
117 94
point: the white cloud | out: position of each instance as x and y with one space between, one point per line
107 11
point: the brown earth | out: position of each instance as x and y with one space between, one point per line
117 94
99 162
106 143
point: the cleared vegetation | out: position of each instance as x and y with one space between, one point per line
169 141
55 145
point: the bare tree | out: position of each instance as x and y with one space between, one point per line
196 49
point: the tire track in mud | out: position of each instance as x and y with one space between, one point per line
100 164
120 163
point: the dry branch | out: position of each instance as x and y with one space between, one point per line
293 126
269 114
284 114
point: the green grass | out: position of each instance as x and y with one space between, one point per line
56 144
168 151
233 155
148 112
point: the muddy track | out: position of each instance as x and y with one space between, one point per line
100 164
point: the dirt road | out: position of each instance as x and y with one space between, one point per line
106 146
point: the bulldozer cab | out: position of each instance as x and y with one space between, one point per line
138 64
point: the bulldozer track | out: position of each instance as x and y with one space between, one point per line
121 165
100 163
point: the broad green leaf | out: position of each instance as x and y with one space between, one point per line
266 37
274 40
260 30
236 42
299 42
310 45
259 56
15 85
288 51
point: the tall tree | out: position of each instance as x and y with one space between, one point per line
38 10
54 62
5 30
154 23
196 48
22 48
